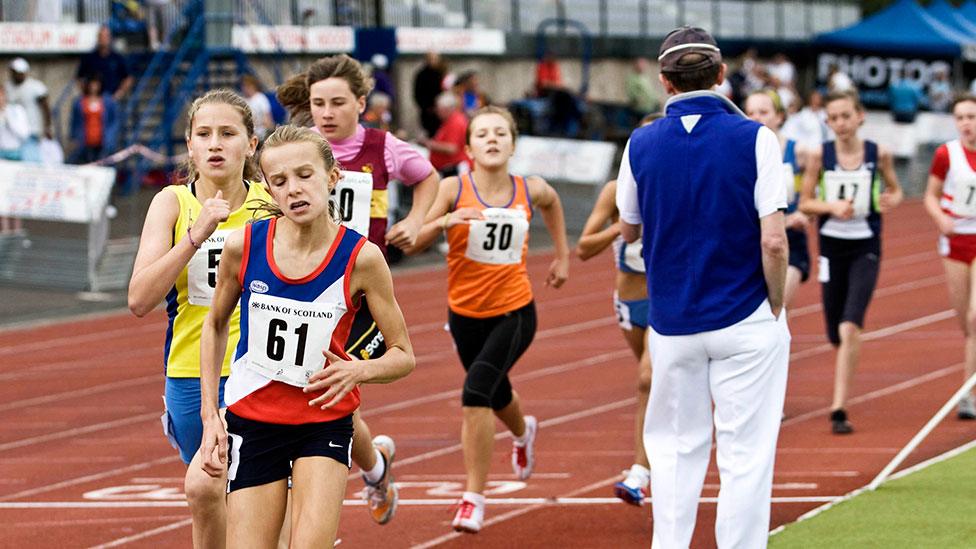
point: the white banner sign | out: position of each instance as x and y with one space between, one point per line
450 41
565 160
293 39
76 194
47 37
871 71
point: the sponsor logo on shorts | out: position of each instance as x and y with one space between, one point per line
331 445
258 287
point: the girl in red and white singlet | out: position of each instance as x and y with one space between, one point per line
491 315
300 278
950 198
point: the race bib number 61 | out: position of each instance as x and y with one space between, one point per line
286 337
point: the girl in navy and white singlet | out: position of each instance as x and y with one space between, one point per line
300 278
848 184
766 108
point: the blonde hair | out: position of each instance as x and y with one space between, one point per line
294 94
220 97
288 134
773 96
492 109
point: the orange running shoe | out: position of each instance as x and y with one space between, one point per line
382 497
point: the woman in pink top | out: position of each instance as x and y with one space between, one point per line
331 96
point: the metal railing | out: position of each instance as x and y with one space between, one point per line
758 19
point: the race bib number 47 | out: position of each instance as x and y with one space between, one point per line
201 272
286 337
851 186
352 195
497 239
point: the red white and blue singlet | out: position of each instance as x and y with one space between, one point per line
285 325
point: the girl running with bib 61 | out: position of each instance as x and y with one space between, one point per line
491 314
848 183
300 277
182 240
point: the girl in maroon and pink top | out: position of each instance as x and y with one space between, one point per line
331 96
950 198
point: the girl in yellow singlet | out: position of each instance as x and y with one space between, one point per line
179 251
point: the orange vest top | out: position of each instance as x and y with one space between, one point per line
487 276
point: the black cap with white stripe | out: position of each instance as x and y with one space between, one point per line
686 40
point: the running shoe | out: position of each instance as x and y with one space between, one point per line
469 517
382 497
967 408
523 456
839 424
629 494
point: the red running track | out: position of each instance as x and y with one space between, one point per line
83 462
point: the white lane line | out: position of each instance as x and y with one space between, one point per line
880 292
71 433
124 384
854 493
48 344
143 535
357 502
90 478
880 333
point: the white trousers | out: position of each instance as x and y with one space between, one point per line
742 369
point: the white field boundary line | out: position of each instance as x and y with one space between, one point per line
904 473
157 325
433 502
146 534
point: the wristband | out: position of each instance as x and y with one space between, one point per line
190 238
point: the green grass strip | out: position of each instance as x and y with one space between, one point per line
935 507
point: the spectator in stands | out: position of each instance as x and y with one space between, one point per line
447 148
783 70
468 89
31 94
427 85
14 132
904 98
940 91
260 105
808 127
94 123
14 128
382 81
641 97
838 81
377 113
108 65
548 76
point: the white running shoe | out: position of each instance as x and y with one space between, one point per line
469 517
383 496
967 407
523 455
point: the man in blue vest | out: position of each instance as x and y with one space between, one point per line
706 184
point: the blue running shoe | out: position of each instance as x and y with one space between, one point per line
633 496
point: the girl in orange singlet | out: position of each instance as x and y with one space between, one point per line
492 316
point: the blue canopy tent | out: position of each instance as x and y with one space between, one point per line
968 11
903 28
944 12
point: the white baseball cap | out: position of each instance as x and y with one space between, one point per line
20 65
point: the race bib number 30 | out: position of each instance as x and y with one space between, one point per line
352 195
286 337
201 272
497 239
964 198
852 186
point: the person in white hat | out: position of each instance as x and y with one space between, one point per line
30 93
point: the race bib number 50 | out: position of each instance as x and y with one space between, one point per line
497 239
852 186
352 195
201 272
286 337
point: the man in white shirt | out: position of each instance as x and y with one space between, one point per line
31 94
